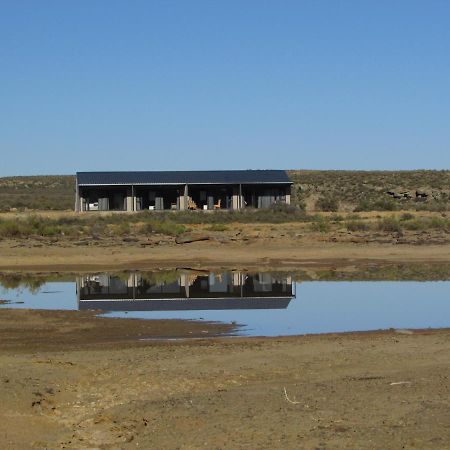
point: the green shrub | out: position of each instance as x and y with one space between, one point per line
390 224
10 228
415 225
327 203
122 229
336 218
427 223
378 205
321 224
357 225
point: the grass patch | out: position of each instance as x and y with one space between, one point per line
390 225
320 224
217 227
166 227
327 203
357 225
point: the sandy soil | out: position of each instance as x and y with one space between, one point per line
279 252
239 245
91 383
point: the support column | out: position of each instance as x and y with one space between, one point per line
241 198
184 198
288 195
77 198
235 198
130 200
82 202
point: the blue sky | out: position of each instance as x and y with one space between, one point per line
156 85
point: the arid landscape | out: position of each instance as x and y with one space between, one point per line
76 380
313 190
225 225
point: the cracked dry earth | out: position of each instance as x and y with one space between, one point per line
362 391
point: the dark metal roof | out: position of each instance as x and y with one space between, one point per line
184 304
184 177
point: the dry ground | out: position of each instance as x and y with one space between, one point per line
240 245
353 391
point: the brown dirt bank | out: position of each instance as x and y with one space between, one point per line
362 391
209 254
35 330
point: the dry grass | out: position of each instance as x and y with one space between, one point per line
325 190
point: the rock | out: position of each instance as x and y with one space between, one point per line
186 239
421 194
130 239
394 194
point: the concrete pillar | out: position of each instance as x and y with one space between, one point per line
235 198
288 195
82 204
77 198
130 200
184 198
129 203
241 198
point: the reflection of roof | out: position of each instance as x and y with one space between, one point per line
187 304
184 177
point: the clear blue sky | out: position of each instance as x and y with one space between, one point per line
155 85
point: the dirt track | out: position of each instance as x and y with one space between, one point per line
362 391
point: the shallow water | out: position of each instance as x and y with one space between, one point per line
263 304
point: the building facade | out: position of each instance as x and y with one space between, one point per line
185 291
181 190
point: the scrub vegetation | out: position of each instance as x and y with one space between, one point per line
340 190
93 225
38 193
313 190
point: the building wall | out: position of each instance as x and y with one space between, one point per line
262 196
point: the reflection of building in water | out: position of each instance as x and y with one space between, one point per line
185 291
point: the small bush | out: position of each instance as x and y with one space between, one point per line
327 203
390 225
10 229
357 225
321 224
122 229
379 205
414 225
336 218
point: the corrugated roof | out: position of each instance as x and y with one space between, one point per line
184 177
186 304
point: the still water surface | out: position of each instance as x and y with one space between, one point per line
262 304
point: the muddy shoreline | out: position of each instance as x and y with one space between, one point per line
206 255
69 390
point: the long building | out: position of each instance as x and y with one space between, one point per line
185 291
181 190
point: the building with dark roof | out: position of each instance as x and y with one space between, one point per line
184 291
181 190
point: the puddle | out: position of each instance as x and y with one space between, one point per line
262 304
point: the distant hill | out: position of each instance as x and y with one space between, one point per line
372 190
313 189
55 192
